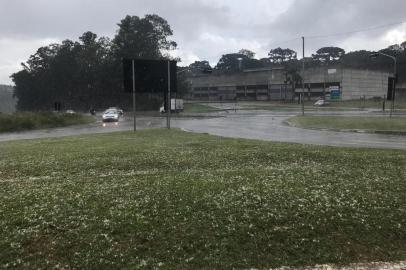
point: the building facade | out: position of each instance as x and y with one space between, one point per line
275 84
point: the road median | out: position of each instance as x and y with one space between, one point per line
360 124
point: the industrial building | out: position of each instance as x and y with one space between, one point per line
275 84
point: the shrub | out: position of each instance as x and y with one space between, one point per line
27 120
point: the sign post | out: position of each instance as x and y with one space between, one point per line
150 76
168 99
134 115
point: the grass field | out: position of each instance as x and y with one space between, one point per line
198 108
371 124
369 104
400 105
163 199
27 120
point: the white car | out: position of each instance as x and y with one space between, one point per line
321 102
120 111
110 115
70 112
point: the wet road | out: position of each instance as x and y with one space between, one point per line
270 126
125 124
262 125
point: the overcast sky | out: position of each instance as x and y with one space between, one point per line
203 29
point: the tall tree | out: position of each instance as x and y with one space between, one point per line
88 73
143 37
247 53
199 67
279 55
94 58
234 62
328 54
403 45
231 62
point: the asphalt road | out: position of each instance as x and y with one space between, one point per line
270 126
124 124
261 125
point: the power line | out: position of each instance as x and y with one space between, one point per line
284 42
356 31
339 33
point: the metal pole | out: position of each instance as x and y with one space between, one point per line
168 99
135 122
392 109
303 70
383 104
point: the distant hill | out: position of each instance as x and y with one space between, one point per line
7 102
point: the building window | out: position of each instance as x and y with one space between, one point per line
257 86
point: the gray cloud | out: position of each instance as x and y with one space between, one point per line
203 29
48 18
325 17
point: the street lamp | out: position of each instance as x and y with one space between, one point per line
239 63
375 55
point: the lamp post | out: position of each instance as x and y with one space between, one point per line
239 63
303 71
375 55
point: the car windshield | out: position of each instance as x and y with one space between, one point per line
111 112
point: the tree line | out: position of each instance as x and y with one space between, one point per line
325 56
87 73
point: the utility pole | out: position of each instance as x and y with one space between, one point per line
392 106
303 70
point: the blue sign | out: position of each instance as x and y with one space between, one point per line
335 92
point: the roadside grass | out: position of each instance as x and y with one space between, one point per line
198 108
175 200
368 104
357 104
289 106
27 120
268 105
370 124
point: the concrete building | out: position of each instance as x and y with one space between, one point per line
401 91
274 84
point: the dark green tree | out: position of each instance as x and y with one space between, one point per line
235 62
280 55
143 37
87 73
230 62
247 53
198 67
184 86
328 54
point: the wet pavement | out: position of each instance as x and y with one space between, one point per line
124 124
261 125
270 126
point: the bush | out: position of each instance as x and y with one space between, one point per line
376 98
27 121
